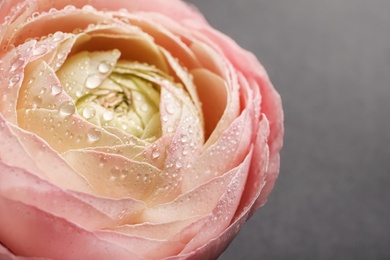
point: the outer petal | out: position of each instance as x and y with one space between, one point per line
28 231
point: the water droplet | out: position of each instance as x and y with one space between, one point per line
104 67
36 102
14 80
79 93
155 153
108 115
58 36
94 134
170 129
67 108
39 50
170 108
70 8
56 89
178 165
60 55
93 81
89 112
185 151
164 118
88 8
184 138
17 64
124 126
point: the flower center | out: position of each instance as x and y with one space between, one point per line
121 94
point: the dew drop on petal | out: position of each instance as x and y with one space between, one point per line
184 138
124 126
67 108
14 80
36 101
185 151
79 93
104 67
170 108
93 81
89 112
178 165
56 89
39 50
17 64
94 134
58 36
155 153
108 115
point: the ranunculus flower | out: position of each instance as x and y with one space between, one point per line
128 130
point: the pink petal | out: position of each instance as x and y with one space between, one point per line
223 213
197 202
11 77
28 231
148 248
41 88
212 92
116 176
165 230
229 150
19 185
32 154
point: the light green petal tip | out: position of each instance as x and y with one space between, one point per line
111 93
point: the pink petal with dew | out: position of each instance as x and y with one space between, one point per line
44 24
19 185
177 9
64 131
12 66
29 231
224 211
214 247
56 58
197 202
167 230
32 154
181 154
41 88
154 154
146 247
229 151
12 15
192 101
126 138
116 176
121 211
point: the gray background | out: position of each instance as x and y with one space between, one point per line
330 61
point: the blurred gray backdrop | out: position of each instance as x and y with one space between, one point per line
330 61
